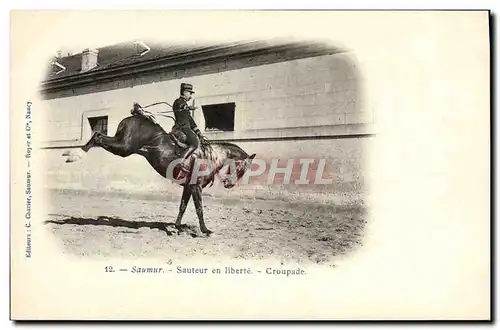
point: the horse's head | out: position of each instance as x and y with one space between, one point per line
239 167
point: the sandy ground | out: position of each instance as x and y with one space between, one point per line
102 225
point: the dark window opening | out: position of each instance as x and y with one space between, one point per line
219 116
99 124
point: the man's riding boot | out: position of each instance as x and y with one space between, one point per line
187 157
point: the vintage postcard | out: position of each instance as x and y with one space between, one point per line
250 165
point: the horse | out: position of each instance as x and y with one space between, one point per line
138 134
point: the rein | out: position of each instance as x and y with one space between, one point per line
162 113
157 103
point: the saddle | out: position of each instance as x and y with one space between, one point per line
178 137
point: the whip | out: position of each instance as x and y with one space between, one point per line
151 114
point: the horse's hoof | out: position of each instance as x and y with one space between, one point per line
75 155
73 158
207 232
66 153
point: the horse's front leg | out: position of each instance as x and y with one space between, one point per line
186 195
196 191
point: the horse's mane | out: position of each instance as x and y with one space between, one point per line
218 159
229 144
207 149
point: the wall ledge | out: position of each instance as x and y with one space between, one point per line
299 133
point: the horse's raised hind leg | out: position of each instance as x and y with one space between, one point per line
78 154
186 196
90 143
118 146
196 191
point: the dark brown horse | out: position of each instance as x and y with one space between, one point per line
137 134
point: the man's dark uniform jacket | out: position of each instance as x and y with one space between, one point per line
183 118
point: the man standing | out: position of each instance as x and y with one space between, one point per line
185 122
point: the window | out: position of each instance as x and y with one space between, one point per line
219 116
99 124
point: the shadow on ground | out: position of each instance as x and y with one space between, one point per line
124 227
167 227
